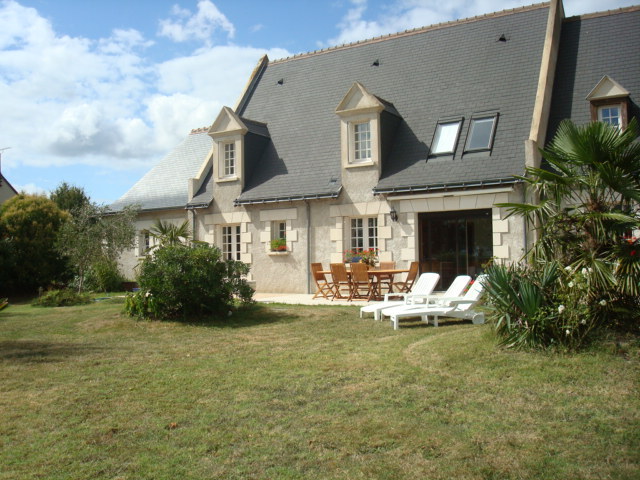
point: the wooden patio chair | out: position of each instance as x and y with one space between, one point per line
340 280
362 287
324 288
386 281
406 285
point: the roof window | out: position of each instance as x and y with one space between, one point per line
445 137
481 133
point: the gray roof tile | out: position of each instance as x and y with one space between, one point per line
166 185
591 47
456 69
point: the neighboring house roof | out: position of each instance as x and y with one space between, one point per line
6 189
588 52
453 69
165 186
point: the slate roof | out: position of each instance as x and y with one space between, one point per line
453 69
165 186
591 47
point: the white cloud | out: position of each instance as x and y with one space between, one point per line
31 189
74 101
184 26
360 22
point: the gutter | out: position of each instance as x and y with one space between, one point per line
237 202
447 186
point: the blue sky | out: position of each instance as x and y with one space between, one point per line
94 93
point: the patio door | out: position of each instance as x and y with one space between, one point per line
455 243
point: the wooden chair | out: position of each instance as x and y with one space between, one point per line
411 277
340 280
324 288
362 287
386 280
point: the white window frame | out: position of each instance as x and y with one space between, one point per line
278 229
230 236
144 243
228 151
360 141
472 124
618 117
363 233
448 148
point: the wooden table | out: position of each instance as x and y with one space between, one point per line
377 273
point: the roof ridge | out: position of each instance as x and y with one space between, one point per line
603 13
413 31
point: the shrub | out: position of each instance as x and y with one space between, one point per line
104 276
187 282
545 305
62 298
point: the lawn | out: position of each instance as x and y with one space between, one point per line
283 392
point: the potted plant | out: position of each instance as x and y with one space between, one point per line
362 255
279 245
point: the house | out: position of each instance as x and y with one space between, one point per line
6 190
404 143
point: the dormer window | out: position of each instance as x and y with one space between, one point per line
609 103
610 114
445 137
481 133
228 132
229 159
362 142
359 113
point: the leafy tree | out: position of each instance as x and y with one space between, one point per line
69 197
95 236
30 225
586 204
166 233
186 282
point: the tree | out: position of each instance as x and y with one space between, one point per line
30 225
587 208
69 197
95 235
169 234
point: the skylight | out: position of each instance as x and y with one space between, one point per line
446 137
481 133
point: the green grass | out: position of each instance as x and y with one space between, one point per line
287 392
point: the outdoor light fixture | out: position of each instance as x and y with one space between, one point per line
393 214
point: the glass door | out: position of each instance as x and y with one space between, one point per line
455 243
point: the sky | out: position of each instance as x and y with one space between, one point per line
94 93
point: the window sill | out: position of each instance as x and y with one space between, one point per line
368 163
227 179
277 253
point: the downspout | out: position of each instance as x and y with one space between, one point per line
308 246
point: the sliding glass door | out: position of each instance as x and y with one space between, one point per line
455 243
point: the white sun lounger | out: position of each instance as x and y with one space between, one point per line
458 307
422 288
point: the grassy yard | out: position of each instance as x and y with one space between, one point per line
285 392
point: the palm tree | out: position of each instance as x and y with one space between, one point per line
167 233
588 204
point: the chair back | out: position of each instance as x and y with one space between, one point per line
387 265
474 293
339 273
359 273
425 284
316 268
457 286
413 272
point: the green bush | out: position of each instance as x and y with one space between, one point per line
62 298
546 305
103 276
188 282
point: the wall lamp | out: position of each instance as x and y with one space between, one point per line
393 214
